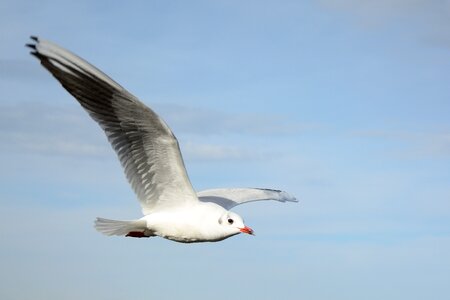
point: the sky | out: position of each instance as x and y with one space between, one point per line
344 104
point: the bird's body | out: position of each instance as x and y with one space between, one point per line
200 222
195 226
151 158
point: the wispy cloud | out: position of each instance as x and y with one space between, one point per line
49 130
52 145
206 152
427 20
68 131
416 144
20 70
194 120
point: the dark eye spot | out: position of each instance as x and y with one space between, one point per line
230 221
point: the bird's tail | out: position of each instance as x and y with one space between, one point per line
135 228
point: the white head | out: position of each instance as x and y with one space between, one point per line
233 224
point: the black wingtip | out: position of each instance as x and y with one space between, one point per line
35 54
270 190
32 46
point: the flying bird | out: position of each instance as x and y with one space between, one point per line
150 155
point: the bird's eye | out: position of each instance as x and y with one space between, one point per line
230 221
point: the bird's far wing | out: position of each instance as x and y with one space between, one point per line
228 198
146 147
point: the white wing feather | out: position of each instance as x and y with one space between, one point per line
146 147
230 197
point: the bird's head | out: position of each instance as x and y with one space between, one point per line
233 223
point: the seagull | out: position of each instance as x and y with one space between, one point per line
150 156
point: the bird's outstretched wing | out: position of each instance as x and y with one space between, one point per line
145 145
228 198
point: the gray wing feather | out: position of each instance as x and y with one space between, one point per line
230 197
146 147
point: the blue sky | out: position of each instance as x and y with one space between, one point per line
344 104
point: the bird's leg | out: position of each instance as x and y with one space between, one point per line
136 234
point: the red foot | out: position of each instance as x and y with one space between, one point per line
136 234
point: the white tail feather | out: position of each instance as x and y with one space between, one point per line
116 227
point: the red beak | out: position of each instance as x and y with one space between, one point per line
247 230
